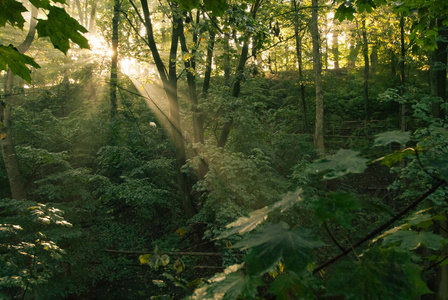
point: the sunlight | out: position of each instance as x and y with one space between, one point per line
98 45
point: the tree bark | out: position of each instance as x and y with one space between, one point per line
7 144
317 68
190 66
80 12
365 51
236 88
298 39
92 17
335 47
402 74
169 81
226 60
114 75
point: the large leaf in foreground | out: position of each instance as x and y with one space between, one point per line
16 61
410 240
278 242
246 224
61 28
380 274
337 165
386 138
11 12
234 285
338 207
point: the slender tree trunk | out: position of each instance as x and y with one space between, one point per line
402 74
298 39
226 60
113 134
236 88
440 73
189 63
374 60
92 17
208 64
393 62
7 144
15 178
317 67
169 80
80 12
335 47
365 50
439 87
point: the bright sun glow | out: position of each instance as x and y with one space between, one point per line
98 45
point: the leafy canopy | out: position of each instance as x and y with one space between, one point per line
59 27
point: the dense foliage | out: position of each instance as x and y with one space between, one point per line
185 166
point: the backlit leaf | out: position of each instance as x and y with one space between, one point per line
246 224
11 12
397 156
217 7
411 240
16 61
278 242
337 207
337 165
385 138
61 28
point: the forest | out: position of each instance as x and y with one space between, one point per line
221 149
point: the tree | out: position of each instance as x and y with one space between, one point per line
60 28
317 67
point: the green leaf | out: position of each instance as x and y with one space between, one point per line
278 242
288 201
145 258
339 164
16 61
218 7
45 4
255 218
337 207
385 138
233 286
411 240
11 12
246 224
397 156
380 273
188 4
345 11
290 283
61 28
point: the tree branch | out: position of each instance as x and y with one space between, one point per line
382 227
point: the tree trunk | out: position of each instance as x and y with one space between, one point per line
92 17
319 127
80 12
335 47
365 51
190 66
169 80
15 178
208 64
438 87
440 73
113 134
226 60
236 88
374 60
298 39
402 74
